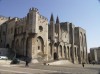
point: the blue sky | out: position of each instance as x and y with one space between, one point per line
83 13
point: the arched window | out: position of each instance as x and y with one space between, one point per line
22 44
81 39
68 50
17 44
40 43
60 50
83 53
84 39
65 52
50 49
75 52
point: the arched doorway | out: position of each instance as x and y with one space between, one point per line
22 46
60 50
17 46
68 51
55 52
12 45
55 56
83 53
16 49
50 49
75 52
7 46
65 52
40 44
55 48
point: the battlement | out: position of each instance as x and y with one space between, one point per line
44 18
22 19
33 9
36 10
3 18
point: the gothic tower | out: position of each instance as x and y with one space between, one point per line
52 28
58 29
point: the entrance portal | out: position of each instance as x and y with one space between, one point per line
55 56
40 44
65 52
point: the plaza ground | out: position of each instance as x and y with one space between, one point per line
49 69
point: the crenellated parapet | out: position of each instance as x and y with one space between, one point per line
21 21
36 10
3 19
44 18
33 9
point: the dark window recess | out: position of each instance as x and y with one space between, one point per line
3 33
40 28
38 47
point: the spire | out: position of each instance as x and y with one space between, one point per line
57 20
51 19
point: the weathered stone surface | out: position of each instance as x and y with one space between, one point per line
32 36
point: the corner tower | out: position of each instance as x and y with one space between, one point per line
32 20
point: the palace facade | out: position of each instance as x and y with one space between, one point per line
34 37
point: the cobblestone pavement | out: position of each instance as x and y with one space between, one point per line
69 69
48 69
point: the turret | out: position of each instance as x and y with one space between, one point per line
52 27
57 20
57 29
32 20
51 19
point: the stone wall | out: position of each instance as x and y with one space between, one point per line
3 32
10 33
80 41
3 51
95 54
32 36
3 19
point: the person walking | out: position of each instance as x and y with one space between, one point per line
27 62
83 64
